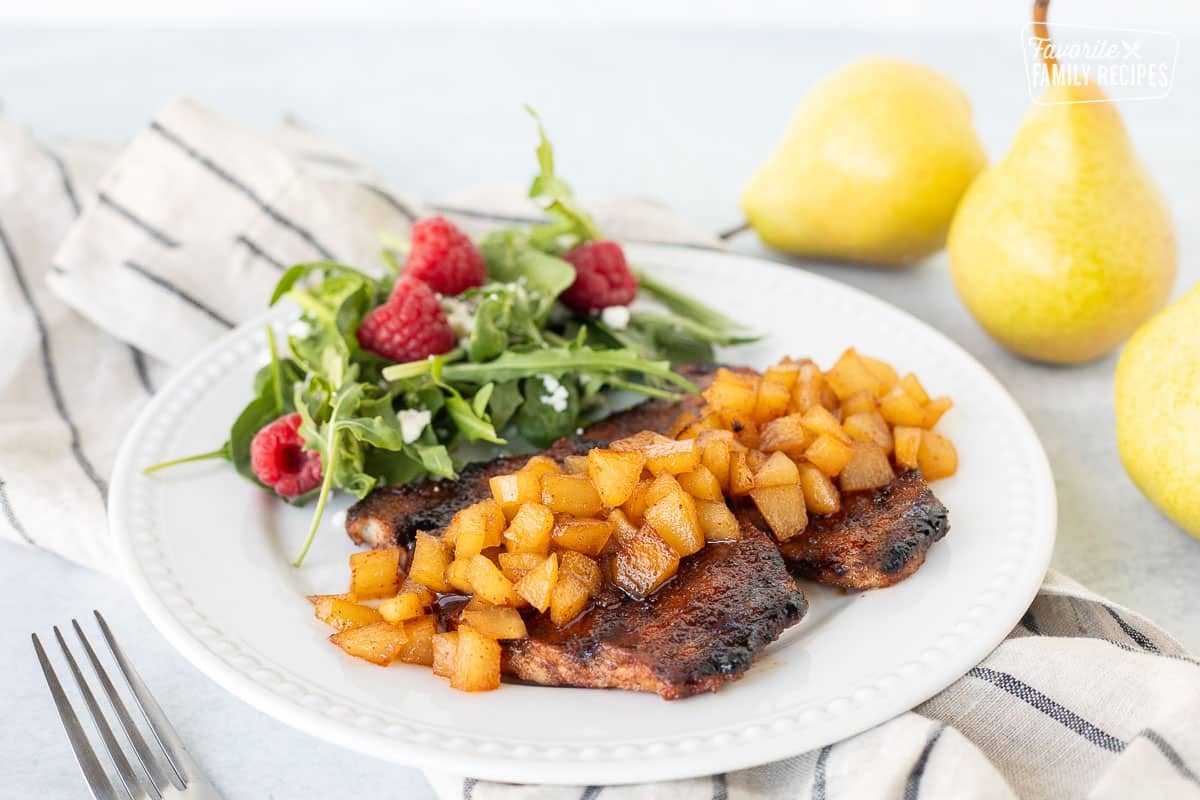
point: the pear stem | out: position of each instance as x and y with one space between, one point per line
729 233
1042 34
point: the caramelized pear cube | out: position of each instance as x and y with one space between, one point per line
615 474
643 562
783 509
380 642
375 573
868 468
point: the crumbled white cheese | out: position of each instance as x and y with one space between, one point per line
615 317
556 395
299 329
338 520
412 422
460 314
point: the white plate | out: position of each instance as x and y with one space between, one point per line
206 555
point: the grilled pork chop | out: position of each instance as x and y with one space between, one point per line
702 629
726 603
879 537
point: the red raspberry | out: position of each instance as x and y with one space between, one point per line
279 459
444 257
602 278
410 326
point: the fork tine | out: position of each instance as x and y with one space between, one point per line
142 750
99 785
124 769
163 731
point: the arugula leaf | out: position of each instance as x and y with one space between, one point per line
512 259
499 249
539 419
686 306
349 473
436 460
475 427
555 195
276 370
655 323
391 467
344 466
505 399
479 403
222 453
679 339
489 335
545 278
297 272
417 369
560 361
679 347
257 414
374 431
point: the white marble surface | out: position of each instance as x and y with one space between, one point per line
683 118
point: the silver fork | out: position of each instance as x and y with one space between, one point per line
165 772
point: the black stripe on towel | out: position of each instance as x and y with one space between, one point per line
11 516
1030 623
912 786
469 788
1140 652
142 369
1141 639
56 395
591 792
139 358
400 207
67 184
1171 755
136 221
228 177
259 252
720 787
175 290
1059 713
819 788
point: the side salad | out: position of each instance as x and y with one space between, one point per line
460 350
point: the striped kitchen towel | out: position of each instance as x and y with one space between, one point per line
114 268
1083 699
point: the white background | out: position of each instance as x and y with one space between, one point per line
905 15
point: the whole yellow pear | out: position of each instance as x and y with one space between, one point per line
1158 410
1065 246
870 168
